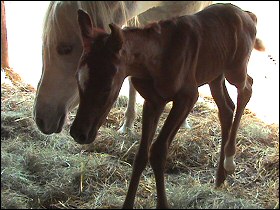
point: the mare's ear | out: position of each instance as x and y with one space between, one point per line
86 28
115 39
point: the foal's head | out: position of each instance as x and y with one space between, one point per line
99 78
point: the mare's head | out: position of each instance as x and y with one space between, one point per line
57 91
99 77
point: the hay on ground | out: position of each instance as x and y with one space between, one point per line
40 171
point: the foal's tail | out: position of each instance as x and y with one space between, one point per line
259 45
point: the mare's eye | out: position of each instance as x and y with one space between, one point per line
64 49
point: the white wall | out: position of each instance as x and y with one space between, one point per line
24 25
24 29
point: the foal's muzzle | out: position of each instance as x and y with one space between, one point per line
82 135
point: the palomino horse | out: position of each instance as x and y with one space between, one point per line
167 61
57 92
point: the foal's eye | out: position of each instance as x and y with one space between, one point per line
64 49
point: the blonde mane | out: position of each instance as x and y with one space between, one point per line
61 17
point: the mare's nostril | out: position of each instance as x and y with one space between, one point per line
42 126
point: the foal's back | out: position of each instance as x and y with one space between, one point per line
227 38
219 38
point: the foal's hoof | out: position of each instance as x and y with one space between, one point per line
229 165
230 172
219 182
220 177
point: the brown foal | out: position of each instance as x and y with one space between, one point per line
167 61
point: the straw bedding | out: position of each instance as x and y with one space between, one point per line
40 171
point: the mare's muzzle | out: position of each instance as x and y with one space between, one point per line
49 120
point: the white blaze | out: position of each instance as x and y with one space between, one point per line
83 76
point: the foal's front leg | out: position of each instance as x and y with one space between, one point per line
151 114
182 106
152 110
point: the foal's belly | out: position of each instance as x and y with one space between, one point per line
206 75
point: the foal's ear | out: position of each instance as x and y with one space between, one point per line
86 28
115 39
85 24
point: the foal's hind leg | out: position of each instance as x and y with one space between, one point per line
158 153
130 112
244 94
226 109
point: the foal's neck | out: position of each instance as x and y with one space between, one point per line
141 52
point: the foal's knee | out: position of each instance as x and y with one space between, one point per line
157 156
141 160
